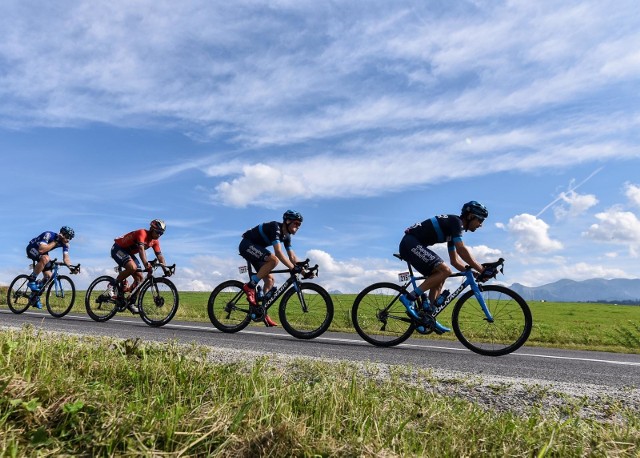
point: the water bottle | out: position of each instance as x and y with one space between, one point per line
442 297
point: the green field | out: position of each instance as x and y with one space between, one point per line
585 326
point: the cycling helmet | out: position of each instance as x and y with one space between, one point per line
158 225
476 209
292 215
67 232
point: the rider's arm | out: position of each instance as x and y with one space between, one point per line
464 253
292 256
277 249
66 259
143 257
44 248
160 258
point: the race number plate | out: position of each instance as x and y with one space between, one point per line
243 269
404 276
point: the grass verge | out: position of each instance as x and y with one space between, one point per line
66 395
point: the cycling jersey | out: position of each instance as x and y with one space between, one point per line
267 234
45 238
439 229
133 240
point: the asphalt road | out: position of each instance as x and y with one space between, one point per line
531 363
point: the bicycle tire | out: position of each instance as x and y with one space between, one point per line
371 311
18 294
228 307
61 301
315 320
158 301
511 326
100 305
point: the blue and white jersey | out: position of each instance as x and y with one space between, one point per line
268 234
439 229
48 237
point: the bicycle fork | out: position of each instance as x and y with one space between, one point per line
478 294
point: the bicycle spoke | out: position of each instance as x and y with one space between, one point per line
510 326
306 313
379 317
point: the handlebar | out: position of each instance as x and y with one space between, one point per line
72 269
168 270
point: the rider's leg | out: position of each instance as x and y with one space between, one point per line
435 281
265 270
39 266
130 268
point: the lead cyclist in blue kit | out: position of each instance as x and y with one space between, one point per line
253 248
439 229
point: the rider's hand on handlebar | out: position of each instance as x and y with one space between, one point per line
296 269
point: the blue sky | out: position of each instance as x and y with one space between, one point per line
365 116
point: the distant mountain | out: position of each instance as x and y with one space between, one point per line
594 290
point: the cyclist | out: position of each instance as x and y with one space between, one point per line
414 249
38 250
125 249
253 248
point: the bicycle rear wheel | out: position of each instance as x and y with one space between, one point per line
158 301
379 317
61 294
18 294
228 307
308 313
509 330
100 300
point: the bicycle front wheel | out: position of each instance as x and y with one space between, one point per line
61 294
307 312
228 307
509 329
379 316
18 294
158 301
100 300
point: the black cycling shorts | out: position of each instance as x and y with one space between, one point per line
255 254
419 256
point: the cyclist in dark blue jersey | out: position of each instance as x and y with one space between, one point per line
38 250
254 248
439 229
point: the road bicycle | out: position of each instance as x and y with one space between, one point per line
59 291
156 298
306 309
491 320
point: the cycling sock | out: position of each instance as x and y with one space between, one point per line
255 279
418 292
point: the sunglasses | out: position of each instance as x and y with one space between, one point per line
480 220
158 231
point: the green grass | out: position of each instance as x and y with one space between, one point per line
68 396
583 326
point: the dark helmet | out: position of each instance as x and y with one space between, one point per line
475 208
292 215
67 232
158 225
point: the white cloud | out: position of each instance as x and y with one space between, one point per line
531 234
616 226
632 192
574 204
261 184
